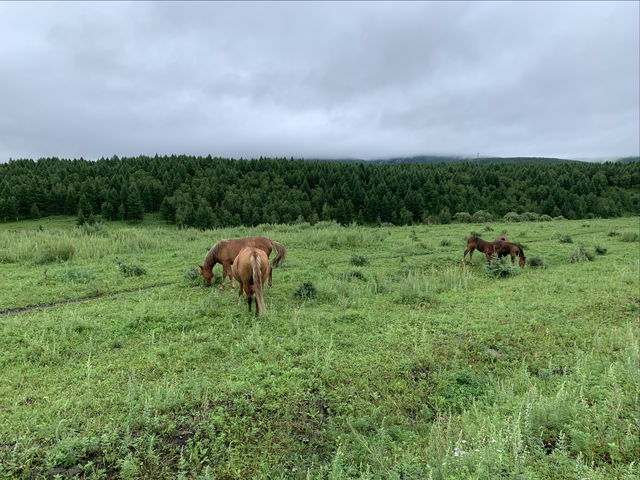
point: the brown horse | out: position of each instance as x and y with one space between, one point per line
508 248
250 268
483 246
501 239
225 251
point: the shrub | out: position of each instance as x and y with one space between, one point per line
459 390
488 228
629 237
511 217
502 268
353 275
581 255
536 262
53 252
600 250
78 276
192 276
529 217
559 217
462 217
131 270
565 239
482 216
545 218
358 261
445 242
306 290
613 233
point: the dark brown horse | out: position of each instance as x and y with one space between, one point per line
481 245
250 268
501 239
502 249
225 251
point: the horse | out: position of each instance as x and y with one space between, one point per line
501 239
482 246
225 251
250 268
508 248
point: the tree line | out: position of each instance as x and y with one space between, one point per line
207 192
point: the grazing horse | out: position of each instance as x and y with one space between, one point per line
508 248
225 251
501 239
250 268
483 246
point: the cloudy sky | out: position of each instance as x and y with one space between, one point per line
357 79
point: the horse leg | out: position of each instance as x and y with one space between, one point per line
467 250
249 298
240 294
270 280
513 258
224 276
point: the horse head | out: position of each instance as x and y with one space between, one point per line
207 273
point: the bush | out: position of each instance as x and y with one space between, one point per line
358 261
545 218
559 217
192 276
482 216
511 217
77 276
536 262
565 239
613 233
502 268
445 242
629 237
53 252
131 270
462 217
581 255
529 217
600 250
306 290
488 228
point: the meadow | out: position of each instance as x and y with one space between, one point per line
381 356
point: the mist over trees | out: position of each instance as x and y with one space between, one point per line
207 192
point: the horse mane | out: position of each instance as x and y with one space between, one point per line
210 258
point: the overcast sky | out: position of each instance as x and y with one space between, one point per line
364 80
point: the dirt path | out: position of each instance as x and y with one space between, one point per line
15 311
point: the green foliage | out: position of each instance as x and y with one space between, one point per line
76 275
482 216
565 239
536 262
306 291
459 390
581 255
193 277
131 270
502 268
358 260
445 242
600 250
630 237
612 233
54 251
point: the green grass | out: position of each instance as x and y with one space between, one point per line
409 365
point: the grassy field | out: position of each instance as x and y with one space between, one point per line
380 356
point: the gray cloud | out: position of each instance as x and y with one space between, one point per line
316 79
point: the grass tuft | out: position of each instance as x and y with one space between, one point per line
581 255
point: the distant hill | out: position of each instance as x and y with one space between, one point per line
436 159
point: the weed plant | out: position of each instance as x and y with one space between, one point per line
565 239
501 268
630 237
581 255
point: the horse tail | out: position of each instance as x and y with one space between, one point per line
282 252
256 269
